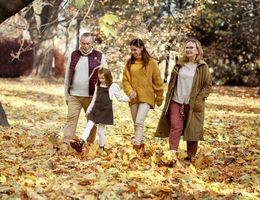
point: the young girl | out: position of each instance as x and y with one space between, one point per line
100 110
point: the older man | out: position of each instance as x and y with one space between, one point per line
80 80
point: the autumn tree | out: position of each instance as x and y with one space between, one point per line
230 32
160 24
7 9
42 35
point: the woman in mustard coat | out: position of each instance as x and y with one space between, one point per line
183 112
143 84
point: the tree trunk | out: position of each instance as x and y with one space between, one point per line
43 38
78 31
3 118
9 8
43 60
179 4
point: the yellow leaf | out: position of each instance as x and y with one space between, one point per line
2 179
52 183
90 197
79 3
109 19
90 176
99 169
34 195
167 157
240 160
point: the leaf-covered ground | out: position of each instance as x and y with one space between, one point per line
227 165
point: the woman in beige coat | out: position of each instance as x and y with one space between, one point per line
183 112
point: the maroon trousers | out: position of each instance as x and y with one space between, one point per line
178 116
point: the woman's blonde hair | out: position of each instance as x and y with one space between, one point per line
198 46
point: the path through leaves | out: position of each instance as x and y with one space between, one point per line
227 165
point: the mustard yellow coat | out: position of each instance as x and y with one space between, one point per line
146 82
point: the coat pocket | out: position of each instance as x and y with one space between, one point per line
196 123
199 105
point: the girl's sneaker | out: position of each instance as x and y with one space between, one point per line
101 151
77 144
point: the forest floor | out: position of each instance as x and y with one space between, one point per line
226 167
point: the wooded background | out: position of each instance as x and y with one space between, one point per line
228 30
36 41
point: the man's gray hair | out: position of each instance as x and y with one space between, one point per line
87 34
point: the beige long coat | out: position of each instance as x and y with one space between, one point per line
201 88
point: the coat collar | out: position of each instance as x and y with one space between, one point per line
181 62
86 54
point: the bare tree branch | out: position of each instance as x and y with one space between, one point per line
16 55
89 9
244 22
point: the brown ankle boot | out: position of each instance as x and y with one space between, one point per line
136 147
77 145
142 150
139 149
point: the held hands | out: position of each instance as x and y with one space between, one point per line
159 103
132 95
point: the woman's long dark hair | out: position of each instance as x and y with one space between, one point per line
145 55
